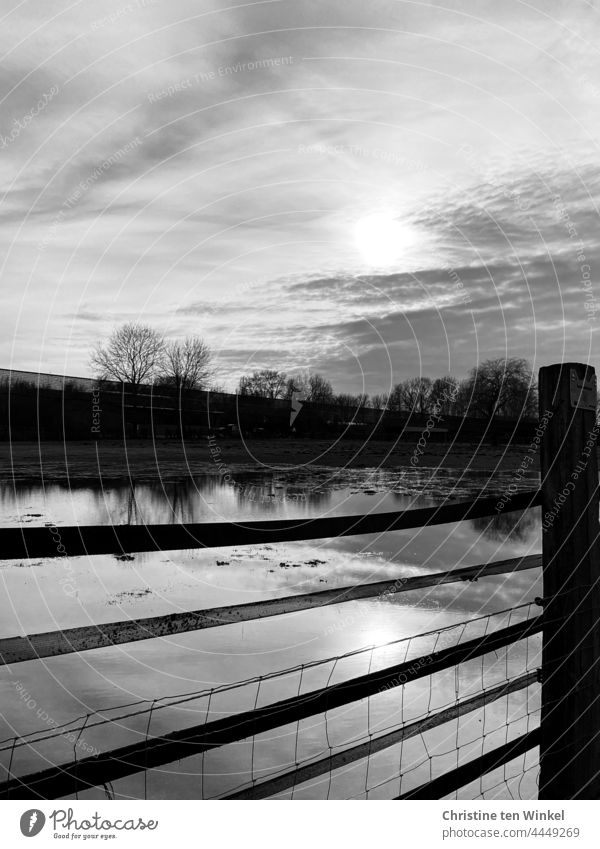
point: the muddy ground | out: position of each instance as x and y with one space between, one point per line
147 460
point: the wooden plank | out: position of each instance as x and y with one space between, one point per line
570 719
67 779
53 643
280 783
471 771
76 541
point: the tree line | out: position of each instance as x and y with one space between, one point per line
495 387
138 355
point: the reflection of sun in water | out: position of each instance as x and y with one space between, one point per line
381 238
377 636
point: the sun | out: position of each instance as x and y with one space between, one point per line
381 238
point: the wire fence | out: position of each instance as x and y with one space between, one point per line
379 747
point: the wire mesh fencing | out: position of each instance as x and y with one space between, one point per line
376 722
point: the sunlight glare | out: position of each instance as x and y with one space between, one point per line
381 238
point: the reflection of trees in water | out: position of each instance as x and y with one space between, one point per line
123 504
270 493
132 509
150 503
517 527
15 496
188 501
179 501
424 487
203 498
185 500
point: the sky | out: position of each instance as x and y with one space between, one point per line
371 191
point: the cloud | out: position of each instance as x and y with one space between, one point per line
234 215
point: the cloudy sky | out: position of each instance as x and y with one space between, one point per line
370 190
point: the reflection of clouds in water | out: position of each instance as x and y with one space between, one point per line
445 547
348 560
501 527
188 580
487 594
223 768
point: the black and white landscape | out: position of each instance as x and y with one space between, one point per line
289 261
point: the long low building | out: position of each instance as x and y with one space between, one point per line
46 406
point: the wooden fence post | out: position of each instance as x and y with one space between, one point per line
570 714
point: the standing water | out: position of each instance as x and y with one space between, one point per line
140 685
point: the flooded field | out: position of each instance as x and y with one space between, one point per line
53 594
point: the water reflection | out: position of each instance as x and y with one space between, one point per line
244 494
198 499
158 583
519 526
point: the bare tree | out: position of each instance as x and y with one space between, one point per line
396 398
502 387
416 394
380 402
320 390
186 365
463 398
351 402
266 383
444 395
421 395
133 355
312 387
297 383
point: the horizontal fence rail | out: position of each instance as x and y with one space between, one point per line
76 541
54 643
280 783
449 782
70 778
